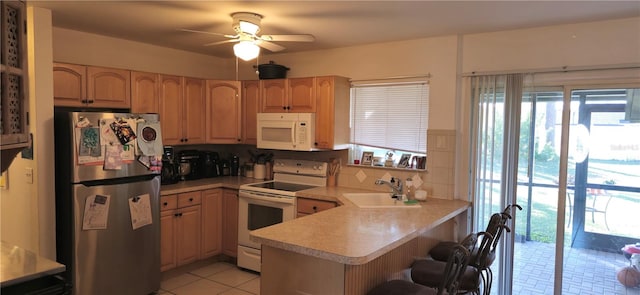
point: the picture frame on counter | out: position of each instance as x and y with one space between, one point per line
404 161
367 158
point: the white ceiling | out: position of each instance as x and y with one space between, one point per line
334 23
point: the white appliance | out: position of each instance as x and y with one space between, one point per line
271 202
286 131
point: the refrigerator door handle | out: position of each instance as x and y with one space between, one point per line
122 180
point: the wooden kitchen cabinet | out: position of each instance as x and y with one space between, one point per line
301 94
14 78
311 206
90 86
144 92
223 112
182 110
180 229
332 112
294 95
230 222
274 95
211 223
69 84
250 108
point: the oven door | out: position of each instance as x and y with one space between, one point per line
257 210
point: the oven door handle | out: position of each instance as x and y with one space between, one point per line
267 198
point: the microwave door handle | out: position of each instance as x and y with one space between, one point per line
293 132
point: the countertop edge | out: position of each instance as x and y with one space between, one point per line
15 260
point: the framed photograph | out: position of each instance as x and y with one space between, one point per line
367 158
404 161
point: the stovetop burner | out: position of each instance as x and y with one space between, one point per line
282 186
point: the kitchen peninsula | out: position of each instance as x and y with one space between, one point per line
349 250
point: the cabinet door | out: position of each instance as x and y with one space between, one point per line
230 222
250 107
223 112
167 240
194 111
302 95
324 113
108 88
188 231
171 109
211 223
274 95
69 85
144 93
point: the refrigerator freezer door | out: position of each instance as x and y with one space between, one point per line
118 259
82 172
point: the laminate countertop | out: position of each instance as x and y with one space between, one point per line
231 182
19 265
351 235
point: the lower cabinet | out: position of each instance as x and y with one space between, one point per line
311 206
197 225
180 229
230 228
211 223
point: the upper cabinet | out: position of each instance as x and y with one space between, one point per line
301 95
294 95
144 92
14 80
250 108
182 110
89 86
223 112
332 112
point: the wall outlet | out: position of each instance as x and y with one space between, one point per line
29 174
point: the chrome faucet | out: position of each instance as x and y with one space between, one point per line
395 184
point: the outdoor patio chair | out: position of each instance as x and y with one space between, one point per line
595 206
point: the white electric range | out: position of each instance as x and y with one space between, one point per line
271 202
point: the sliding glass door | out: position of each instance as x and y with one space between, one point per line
600 198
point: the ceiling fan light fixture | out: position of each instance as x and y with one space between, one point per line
248 27
246 50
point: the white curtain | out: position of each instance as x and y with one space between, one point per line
494 130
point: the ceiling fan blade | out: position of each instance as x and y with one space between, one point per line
221 42
210 33
286 38
269 46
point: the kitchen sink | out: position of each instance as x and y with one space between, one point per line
377 200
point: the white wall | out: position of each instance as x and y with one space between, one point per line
90 49
435 56
576 45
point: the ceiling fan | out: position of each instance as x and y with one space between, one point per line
247 25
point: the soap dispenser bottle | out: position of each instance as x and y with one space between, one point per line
410 190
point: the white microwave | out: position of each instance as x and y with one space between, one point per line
286 131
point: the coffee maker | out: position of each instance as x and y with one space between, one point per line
211 162
169 173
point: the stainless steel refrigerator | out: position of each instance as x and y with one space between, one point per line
107 201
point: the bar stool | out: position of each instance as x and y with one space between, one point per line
451 272
428 272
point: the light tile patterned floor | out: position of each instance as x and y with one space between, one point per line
586 272
210 278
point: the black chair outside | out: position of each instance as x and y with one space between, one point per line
428 272
454 268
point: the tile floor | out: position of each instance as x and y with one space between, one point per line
210 277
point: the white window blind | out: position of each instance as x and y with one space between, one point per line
391 116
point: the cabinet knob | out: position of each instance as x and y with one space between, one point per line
315 209
190 199
165 204
284 107
176 215
186 139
